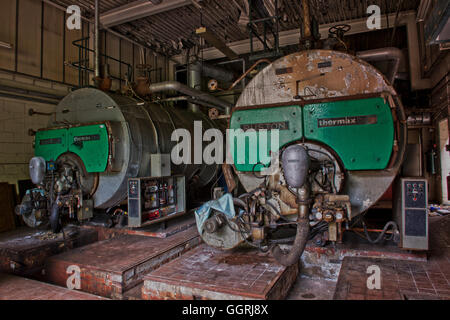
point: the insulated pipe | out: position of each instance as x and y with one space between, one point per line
417 82
196 94
384 54
97 40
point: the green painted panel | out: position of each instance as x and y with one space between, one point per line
49 144
90 143
361 132
287 119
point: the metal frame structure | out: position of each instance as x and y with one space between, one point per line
271 25
83 63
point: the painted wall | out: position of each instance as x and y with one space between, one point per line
15 144
41 52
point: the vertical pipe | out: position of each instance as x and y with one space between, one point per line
194 79
97 41
306 19
195 82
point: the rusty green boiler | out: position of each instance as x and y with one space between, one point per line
108 138
337 107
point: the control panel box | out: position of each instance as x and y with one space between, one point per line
153 199
411 214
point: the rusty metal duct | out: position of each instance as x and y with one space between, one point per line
196 94
384 54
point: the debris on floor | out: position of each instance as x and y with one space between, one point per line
24 251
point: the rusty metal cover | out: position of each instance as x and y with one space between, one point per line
108 268
208 273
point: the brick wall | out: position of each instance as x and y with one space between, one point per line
15 144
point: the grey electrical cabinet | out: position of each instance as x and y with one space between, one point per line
155 199
411 214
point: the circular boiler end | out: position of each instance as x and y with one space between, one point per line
316 76
89 105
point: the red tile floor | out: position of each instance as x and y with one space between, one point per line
402 279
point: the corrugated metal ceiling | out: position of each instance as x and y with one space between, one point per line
172 30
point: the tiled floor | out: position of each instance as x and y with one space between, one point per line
402 279
18 288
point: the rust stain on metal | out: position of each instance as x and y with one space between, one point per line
314 74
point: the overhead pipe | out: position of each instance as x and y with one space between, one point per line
196 94
417 82
384 54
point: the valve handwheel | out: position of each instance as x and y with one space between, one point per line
339 29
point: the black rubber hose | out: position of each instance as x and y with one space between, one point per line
54 216
293 256
381 235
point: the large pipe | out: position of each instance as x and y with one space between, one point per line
97 40
384 54
417 82
196 94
